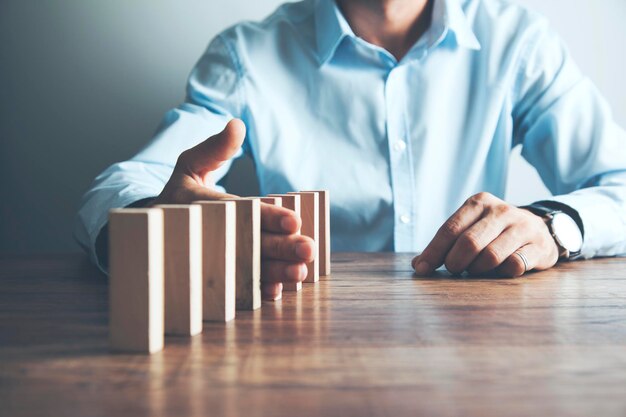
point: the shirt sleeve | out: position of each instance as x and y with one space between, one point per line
568 134
213 98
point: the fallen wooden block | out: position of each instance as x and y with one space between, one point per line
136 280
183 269
218 260
291 202
324 232
248 270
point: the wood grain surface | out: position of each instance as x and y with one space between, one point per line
371 340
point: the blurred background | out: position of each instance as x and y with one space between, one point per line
84 84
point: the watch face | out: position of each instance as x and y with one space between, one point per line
567 232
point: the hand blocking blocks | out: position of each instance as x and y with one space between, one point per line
173 266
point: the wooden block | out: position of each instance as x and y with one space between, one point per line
276 201
136 280
183 269
292 286
310 227
324 232
219 220
291 202
248 270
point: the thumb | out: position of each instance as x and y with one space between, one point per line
216 150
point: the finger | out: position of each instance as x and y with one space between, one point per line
209 155
434 254
279 219
295 248
491 257
186 191
472 242
514 265
272 291
281 271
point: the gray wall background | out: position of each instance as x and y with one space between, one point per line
84 84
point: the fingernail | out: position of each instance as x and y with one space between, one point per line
422 268
303 250
287 223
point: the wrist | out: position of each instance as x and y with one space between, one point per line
566 232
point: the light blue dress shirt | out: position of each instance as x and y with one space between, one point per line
399 144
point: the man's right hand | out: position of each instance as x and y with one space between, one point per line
284 253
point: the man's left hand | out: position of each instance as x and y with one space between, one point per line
484 235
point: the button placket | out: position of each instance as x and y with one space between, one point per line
399 159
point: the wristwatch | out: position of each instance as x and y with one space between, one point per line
566 231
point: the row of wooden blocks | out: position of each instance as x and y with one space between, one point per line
172 267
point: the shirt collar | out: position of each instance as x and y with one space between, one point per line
331 27
450 15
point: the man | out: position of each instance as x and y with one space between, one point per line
406 110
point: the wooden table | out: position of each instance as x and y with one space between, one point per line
372 340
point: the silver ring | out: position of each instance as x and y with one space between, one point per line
523 258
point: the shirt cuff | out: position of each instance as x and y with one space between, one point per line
101 246
98 248
91 223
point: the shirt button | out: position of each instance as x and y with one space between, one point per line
399 146
405 219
